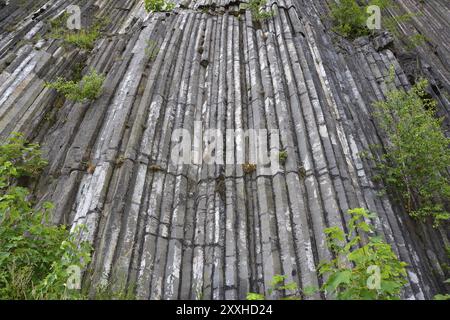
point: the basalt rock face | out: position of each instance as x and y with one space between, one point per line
214 231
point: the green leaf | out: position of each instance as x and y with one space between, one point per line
289 287
340 277
442 297
277 279
32 263
255 296
310 290
389 286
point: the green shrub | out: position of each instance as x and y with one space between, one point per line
158 5
58 26
351 271
417 157
84 38
350 19
370 272
88 88
34 255
257 9
19 159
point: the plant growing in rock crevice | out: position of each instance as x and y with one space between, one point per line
35 256
256 7
283 155
350 20
84 38
158 5
88 88
370 272
248 168
417 158
278 285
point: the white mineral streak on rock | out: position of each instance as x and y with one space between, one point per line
309 256
34 31
217 225
16 78
144 276
287 214
88 210
136 12
174 271
197 287
330 99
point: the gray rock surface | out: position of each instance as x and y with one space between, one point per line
210 231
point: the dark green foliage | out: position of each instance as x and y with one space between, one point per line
88 88
350 19
158 5
349 274
84 38
19 159
369 272
34 255
257 9
417 158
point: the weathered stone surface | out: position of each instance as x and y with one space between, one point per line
211 231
